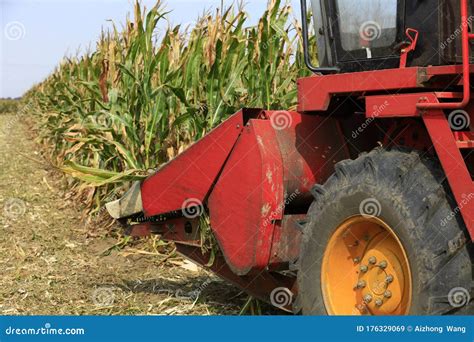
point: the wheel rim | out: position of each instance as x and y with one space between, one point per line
365 270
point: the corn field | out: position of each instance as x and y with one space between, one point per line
144 95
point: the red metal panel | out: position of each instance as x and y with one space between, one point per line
393 106
192 174
273 166
245 199
310 146
447 70
453 164
464 140
314 93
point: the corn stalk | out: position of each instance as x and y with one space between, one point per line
142 96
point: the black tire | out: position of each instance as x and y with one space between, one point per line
414 201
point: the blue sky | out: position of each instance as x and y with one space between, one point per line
36 34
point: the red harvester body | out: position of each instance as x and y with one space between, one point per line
254 174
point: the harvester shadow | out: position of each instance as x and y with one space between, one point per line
217 294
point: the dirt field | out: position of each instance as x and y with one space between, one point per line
53 263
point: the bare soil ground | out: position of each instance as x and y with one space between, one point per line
51 262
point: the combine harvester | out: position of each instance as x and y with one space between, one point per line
361 202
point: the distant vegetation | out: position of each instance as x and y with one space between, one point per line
138 100
9 105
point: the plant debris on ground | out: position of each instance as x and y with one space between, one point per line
52 263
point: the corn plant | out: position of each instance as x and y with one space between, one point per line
142 96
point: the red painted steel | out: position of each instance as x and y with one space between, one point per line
453 164
409 133
189 177
248 168
399 100
396 105
464 140
412 35
315 92
245 197
271 168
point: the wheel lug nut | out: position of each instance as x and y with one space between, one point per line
363 268
387 294
356 260
367 298
372 260
383 264
389 278
361 284
378 302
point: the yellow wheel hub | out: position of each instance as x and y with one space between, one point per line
365 270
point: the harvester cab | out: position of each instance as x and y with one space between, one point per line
377 34
360 202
